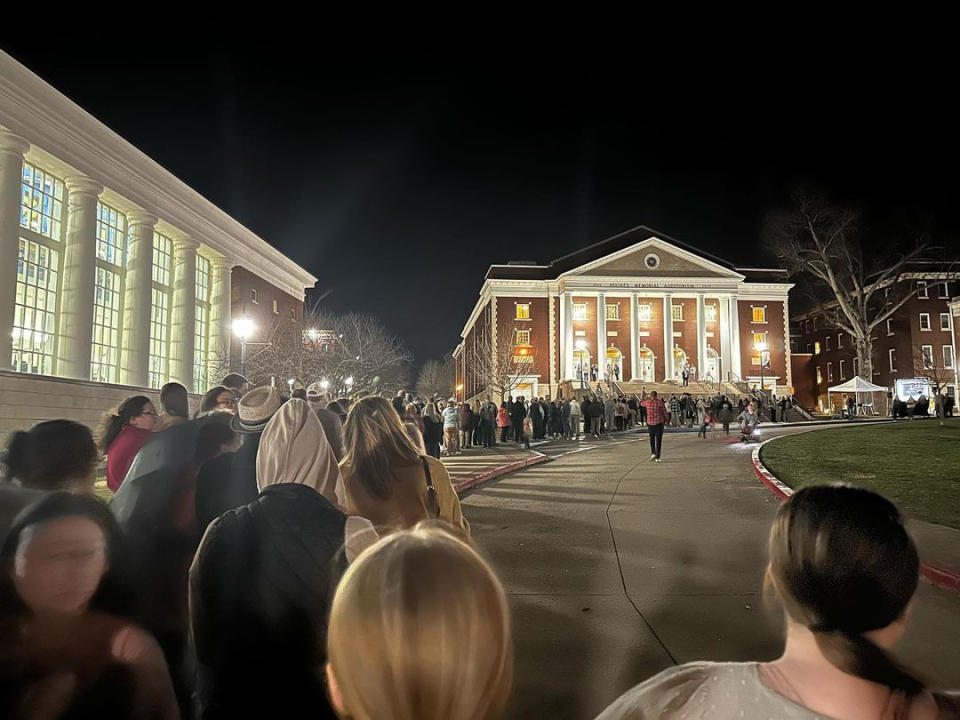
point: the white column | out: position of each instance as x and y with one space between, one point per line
723 330
12 149
553 345
701 338
79 276
184 312
735 365
668 336
633 336
601 335
562 349
135 359
568 342
218 358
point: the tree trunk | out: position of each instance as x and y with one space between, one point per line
865 359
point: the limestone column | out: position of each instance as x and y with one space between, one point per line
735 364
553 345
218 360
668 336
184 313
562 348
701 338
634 309
723 330
568 341
601 336
12 149
79 276
135 358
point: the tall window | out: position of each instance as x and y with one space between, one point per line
926 356
924 321
759 314
160 309
38 272
948 357
816 347
108 291
523 311
889 326
923 291
613 312
856 366
840 342
944 290
892 357
759 338
645 312
710 313
523 337
579 311
827 343
829 372
34 318
201 326
944 321
842 374
677 311
819 375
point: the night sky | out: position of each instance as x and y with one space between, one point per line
397 176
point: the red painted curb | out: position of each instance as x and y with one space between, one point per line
471 481
939 577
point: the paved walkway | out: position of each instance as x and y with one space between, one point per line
617 568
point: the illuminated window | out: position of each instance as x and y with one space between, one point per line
34 317
645 312
160 310
579 311
816 347
254 297
201 325
925 321
819 375
523 311
111 234
105 348
922 290
613 312
948 357
523 337
41 203
842 376
944 321
759 314
759 338
276 306
710 313
677 312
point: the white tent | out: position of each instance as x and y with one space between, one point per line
858 385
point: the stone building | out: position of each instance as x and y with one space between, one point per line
636 309
125 277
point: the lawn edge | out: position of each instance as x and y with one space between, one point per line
468 482
942 578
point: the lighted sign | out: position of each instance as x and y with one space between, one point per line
913 389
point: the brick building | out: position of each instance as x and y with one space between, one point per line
916 341
635 308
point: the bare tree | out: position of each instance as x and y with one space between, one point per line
499 367
852 290
930 365
437 377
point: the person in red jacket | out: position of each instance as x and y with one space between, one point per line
123 432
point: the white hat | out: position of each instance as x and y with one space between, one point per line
255 409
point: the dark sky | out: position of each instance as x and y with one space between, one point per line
397 176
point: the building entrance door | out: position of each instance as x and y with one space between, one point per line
581 366
679 362
645 364
711 373
614 364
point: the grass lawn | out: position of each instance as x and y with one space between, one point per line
914 463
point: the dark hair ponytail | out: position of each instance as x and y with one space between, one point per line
51 455
843 564
115 420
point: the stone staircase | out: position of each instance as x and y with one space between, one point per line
697 389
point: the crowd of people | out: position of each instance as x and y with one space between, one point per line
308 556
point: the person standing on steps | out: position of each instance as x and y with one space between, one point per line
656 417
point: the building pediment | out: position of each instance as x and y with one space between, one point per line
654 257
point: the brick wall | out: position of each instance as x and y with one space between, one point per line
242 284
776 342
538 325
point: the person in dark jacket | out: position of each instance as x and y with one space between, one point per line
230 480
399 404
517 415
432 429
261 585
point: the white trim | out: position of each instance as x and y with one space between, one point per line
929 327
654 243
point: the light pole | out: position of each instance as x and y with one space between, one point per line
243 328
761 348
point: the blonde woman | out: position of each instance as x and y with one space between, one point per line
419 630
386 478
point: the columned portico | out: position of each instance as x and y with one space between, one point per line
601 336
184 311
724 333
135 360
735 366
79 276
12 149
634 301
701 339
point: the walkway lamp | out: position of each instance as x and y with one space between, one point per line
761 347
243 328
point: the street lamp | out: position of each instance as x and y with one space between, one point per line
243 328
324 385
761 347
349 381
290 382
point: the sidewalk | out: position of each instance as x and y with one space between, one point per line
477 465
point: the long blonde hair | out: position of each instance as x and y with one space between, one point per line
374 439
420 630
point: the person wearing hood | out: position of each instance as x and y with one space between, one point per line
261 583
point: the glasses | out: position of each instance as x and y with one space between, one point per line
149 412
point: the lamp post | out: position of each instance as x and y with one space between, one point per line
243 328
761 348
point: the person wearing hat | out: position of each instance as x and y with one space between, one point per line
230 480
319 401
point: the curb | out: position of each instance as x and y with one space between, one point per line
471 481
938 577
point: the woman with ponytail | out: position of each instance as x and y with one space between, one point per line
844 569
122 433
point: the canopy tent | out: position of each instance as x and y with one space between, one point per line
858 385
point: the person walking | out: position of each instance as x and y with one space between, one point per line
726 416
122 433
703 420
594 416
656 417
576 414
451 427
